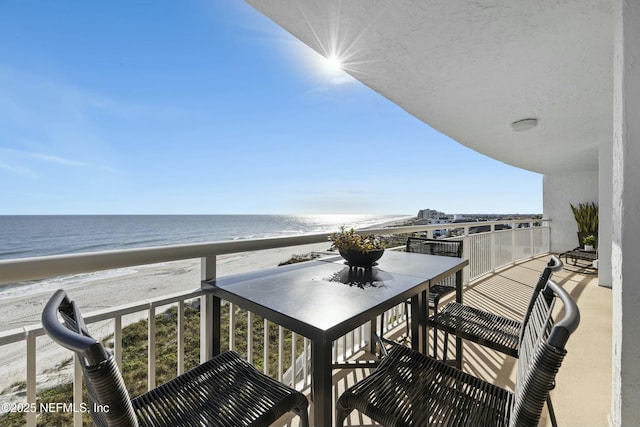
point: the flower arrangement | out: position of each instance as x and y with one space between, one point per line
348 240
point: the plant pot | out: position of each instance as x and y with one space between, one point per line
582 235
588 248
362 259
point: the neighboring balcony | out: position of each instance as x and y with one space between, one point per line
504 265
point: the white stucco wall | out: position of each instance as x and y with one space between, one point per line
625 410
558 191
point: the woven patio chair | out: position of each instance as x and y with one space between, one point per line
412 389
485 328
452 248
488 329
225 391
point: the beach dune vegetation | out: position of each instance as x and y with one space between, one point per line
134 357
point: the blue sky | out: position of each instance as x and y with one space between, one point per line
207 107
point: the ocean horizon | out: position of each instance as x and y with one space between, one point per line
25 236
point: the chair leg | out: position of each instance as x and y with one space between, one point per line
435 343
341 415
303 413
380 340
552 414
445 350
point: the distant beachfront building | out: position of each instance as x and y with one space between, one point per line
430 214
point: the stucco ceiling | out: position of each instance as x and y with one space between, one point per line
471 68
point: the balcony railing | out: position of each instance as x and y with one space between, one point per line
487 252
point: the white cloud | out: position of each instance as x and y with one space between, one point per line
18 170
21 156
55 159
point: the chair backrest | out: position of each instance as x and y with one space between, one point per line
452 248
554 264
104 382
542 350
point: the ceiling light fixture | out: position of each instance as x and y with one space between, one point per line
524 124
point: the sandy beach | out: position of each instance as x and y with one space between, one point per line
144 282
140 283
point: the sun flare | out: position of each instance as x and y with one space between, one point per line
328 67
333 64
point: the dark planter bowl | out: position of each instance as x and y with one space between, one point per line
362 259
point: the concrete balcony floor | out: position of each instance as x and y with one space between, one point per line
582 396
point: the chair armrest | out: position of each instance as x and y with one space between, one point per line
91 348
569 323
555 264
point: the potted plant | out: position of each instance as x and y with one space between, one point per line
359 250
586 215
589 242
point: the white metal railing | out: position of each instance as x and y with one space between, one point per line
490 251
486 252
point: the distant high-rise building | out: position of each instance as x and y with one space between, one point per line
430 214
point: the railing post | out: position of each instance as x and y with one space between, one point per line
77 391
280 352
250 337
513 244
151 343
466 249
180 336
293 359
207 315
232 327
306 358
469 254
117 341
31 378
493 248
531 245
265 347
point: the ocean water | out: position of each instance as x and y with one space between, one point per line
29 236
32 236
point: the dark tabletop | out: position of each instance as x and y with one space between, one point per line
326 298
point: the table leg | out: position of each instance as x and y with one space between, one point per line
372 336
321 384
418 322
217 309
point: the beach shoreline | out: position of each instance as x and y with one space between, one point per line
143 283
114 289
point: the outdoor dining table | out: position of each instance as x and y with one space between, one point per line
325 299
